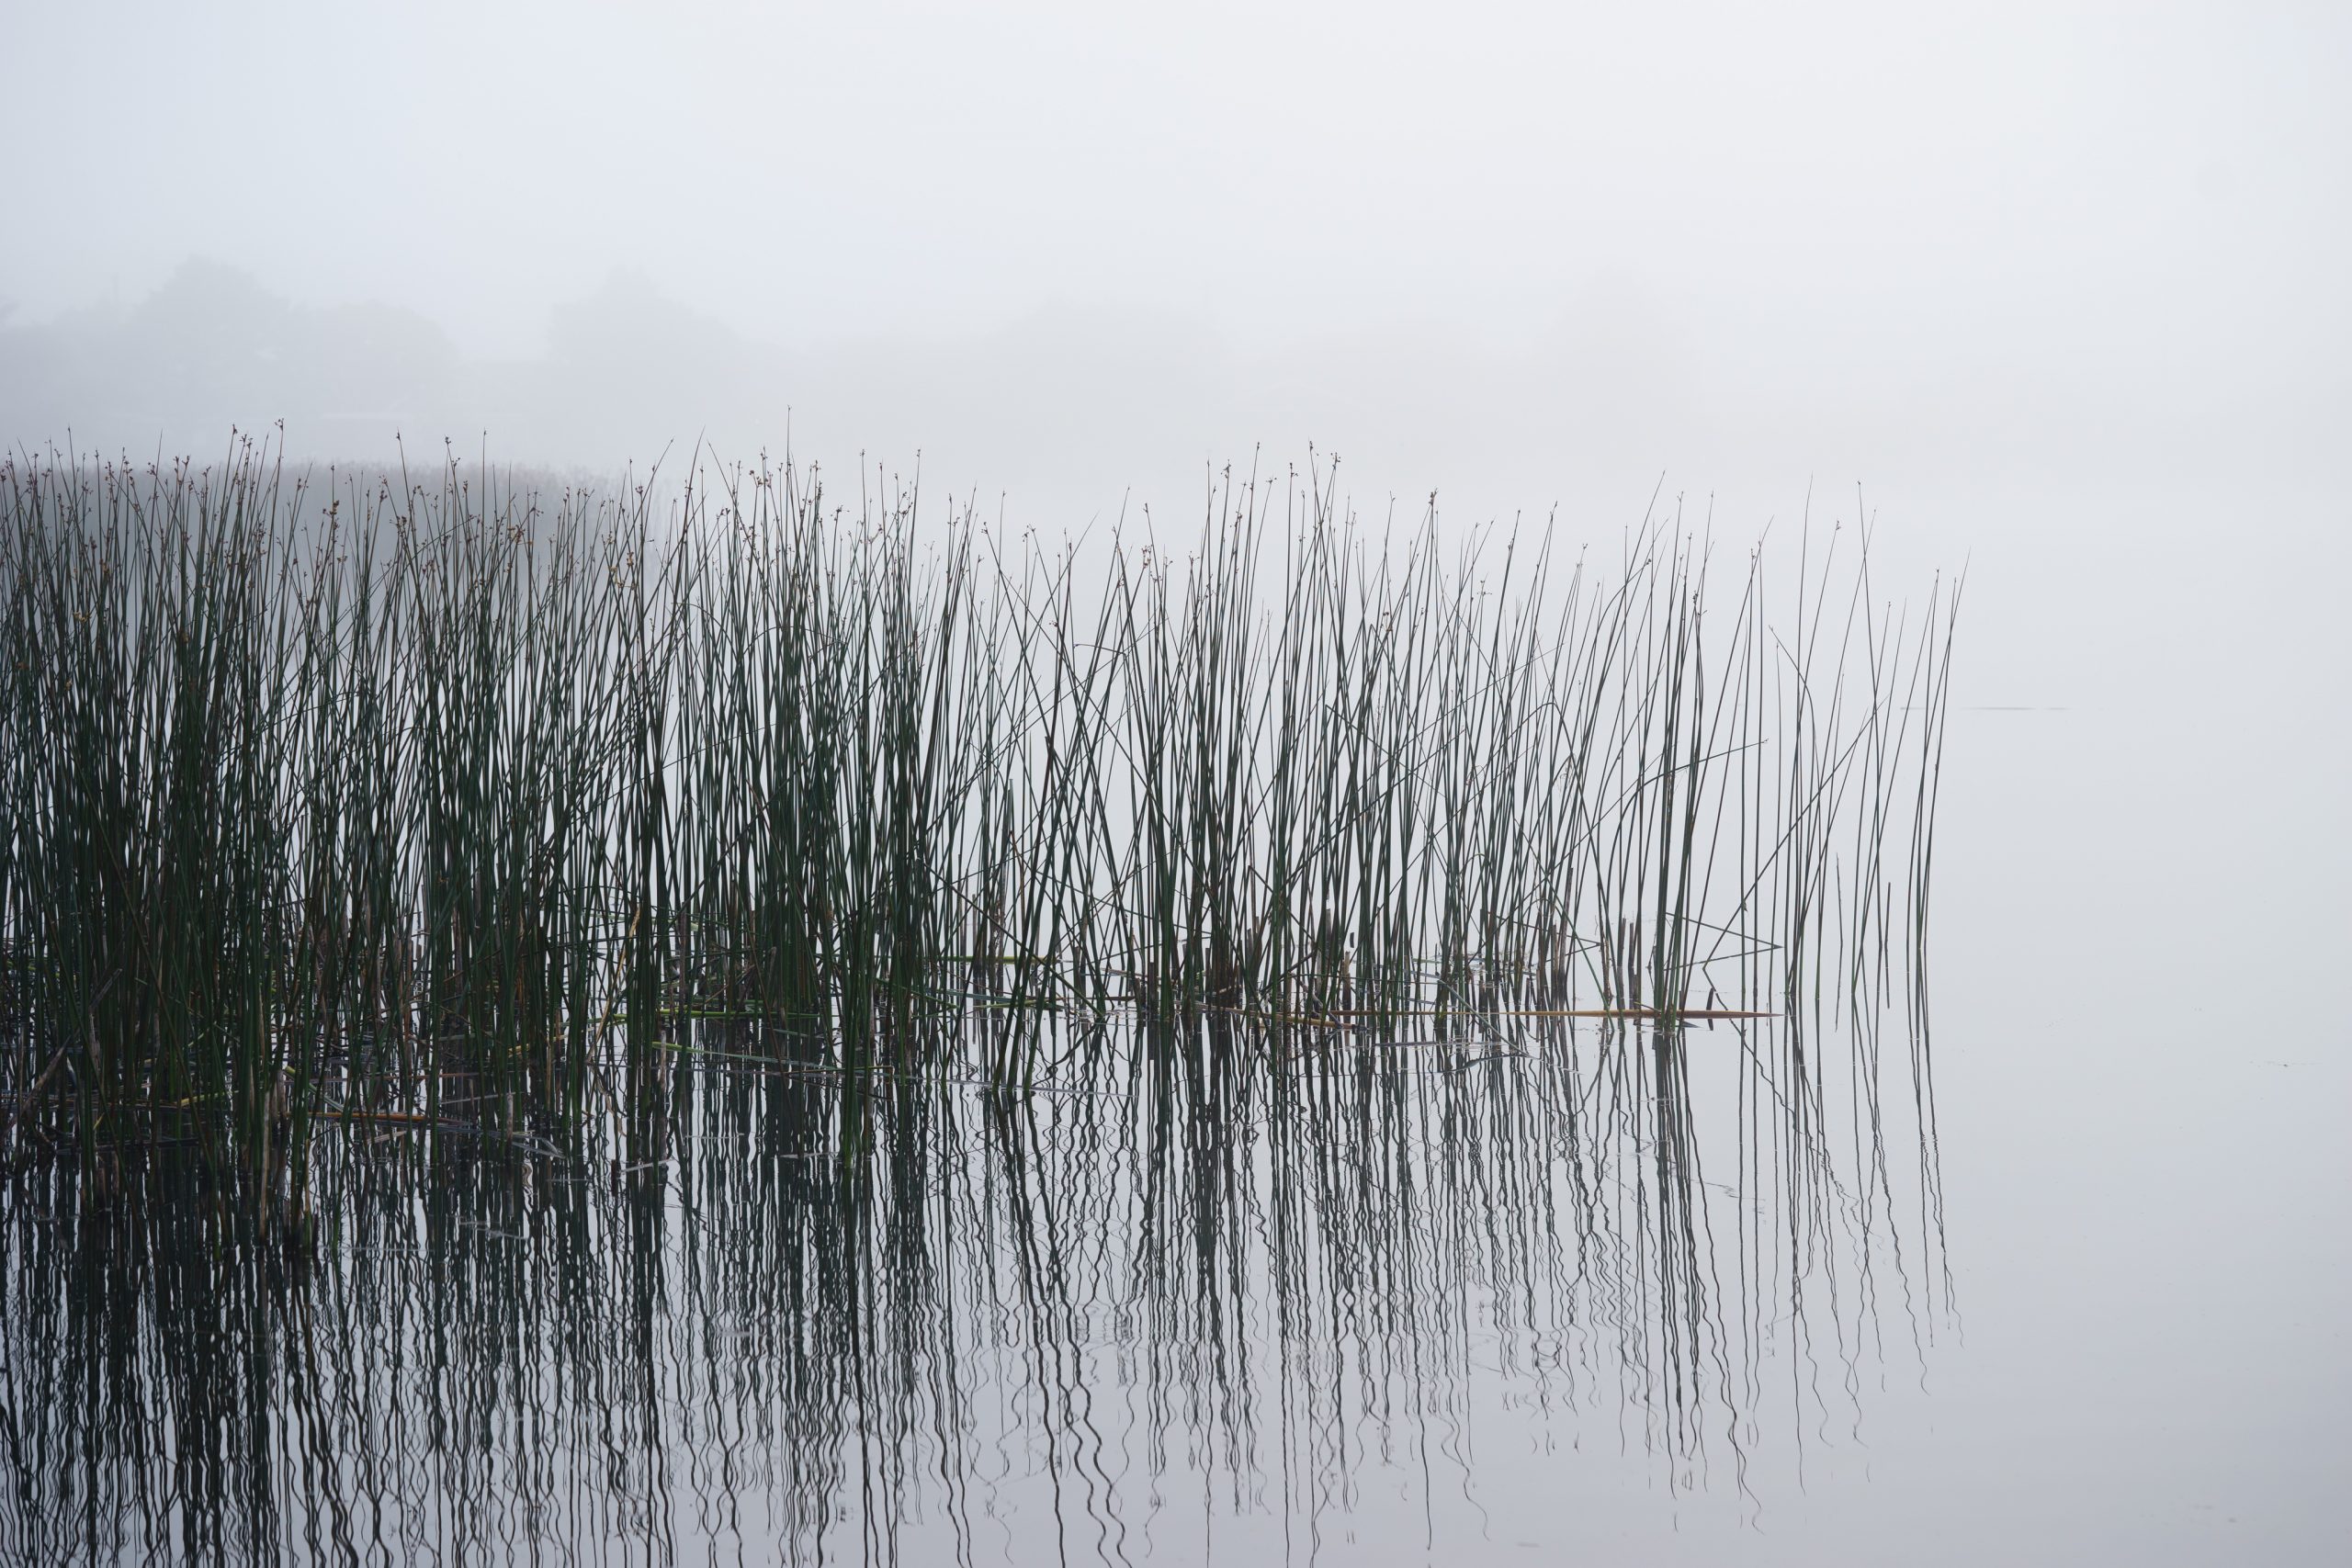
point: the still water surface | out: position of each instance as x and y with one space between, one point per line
1551 1288
1223 1292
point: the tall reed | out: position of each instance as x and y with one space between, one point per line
345 796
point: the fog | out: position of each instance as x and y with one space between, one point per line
1527 256
2051 291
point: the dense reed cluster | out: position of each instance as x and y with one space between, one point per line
341 797
536 1022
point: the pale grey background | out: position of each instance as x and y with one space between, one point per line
2057 289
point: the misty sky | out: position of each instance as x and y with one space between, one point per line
1067 248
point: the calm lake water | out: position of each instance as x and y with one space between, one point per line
1565 1289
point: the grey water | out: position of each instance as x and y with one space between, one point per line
1540 1288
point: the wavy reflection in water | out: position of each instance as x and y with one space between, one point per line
1210 1269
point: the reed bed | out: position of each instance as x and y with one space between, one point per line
549 1016
346 798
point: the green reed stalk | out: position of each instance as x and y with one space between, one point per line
329 797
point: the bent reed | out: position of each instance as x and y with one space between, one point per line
331 796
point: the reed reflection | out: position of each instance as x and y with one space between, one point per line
832 1308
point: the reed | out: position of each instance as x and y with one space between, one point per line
341 796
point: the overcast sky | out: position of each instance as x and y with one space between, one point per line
1733 244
